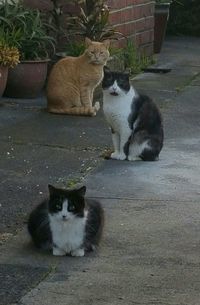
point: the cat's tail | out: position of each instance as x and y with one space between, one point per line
83 111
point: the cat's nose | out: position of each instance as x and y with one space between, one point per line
64 217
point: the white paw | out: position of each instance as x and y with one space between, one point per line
134 158
97 106
78 252
114 155
58 252
94 113
118 156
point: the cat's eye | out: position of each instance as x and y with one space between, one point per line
58 207
58 203
120 81
71 208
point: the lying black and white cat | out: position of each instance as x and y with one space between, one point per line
135 121
67 222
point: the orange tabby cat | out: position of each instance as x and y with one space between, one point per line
73 79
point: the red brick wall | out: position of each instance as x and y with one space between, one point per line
135 19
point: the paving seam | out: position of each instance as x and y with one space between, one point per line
143 200
72 148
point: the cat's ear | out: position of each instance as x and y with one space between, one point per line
88 42
127 72
82 191
106 43
51 189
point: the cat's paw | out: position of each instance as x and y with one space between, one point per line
118 156
58 252
114 155
134 158
78 252
97 106
93 113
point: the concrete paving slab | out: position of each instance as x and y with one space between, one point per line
149 255
170 82
15 280
27 169
180 51
150 250
39 127
178 170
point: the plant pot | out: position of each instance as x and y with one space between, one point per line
161 17
3 78
27 79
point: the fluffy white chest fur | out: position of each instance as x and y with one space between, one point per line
68 236
118 108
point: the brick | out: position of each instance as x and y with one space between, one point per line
144 24
144 37
129 14
116 4
146 49
45 5
133 18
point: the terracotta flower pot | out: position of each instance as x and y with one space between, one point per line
3 78
27 79
161 17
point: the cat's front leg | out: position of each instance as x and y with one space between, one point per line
78 252
124 137
115 140
119 142
87 99
97 106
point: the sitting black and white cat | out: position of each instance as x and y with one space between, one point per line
67 222
135 121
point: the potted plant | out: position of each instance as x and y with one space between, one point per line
35 46
161 16
92 20
9 57
89 18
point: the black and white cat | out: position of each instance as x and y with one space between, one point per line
67 222
135 121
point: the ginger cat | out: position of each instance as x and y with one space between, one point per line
73 79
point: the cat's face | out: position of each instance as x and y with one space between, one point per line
115 83
97 52
66 205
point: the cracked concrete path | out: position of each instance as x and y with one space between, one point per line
150 249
